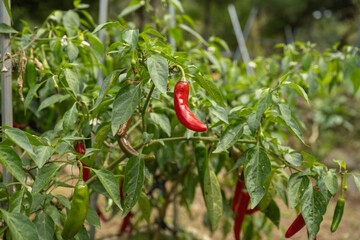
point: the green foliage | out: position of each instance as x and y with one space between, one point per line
256 114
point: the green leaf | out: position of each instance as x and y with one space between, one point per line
44 176
20 139
45 226
105 87
229 137
104 25
144 205
131 37
292 126
43 153
294 158
124 105
31 94
20 226
159 71
311 159
163 121
273 213
257 170
4 28
11 161
52 100
178 5
72 78
193 32
306 61
133 182
93 218
219 111
130 9
70 118
110 184
331 182
211 89
313 207
263 104
8 9
213 198
71 20
53 212
299 89
153 32
349 66
357 182
72 51
97 44
298 183
101 134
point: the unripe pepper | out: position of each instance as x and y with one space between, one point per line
78 211
80 148
30 73
126 146
339 210
182 110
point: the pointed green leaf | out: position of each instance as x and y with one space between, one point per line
331 182
12 162
20 139
299 89
31 94
43 153
298 183
93 218
110 184
71 20
263 104
45 175
131 37
45 226
144 205
124 105
21 228
257 170
52 100
72 78
133 182
163 121
313 207
229 137
211 89
4 28
70 118
159 72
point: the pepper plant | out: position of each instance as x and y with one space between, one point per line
127 131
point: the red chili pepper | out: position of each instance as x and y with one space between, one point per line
239 187
298 224
19 126
240 214
121 189
80 148
182 110
100 214
126 222
252 211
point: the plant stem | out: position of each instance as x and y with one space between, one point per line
208 139
143 112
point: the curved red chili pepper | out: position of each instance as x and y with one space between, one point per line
298 224
80 148
239 187
126 222
100 214
240 214
182 110
252 211
19 126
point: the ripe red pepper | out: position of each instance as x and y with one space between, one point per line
240 214
80 148
126 224
182 110
239 187
19 126
252 211
100 214
298 224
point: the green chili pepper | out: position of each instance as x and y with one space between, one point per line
78 211
30 73
339 210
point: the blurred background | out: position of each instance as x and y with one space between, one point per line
267 22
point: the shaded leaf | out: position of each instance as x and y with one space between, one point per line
159 71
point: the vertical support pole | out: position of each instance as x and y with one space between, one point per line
172 25
103 10
240 38
6 89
